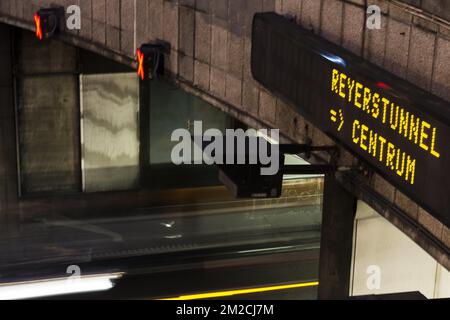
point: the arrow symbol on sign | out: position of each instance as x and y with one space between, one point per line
337 116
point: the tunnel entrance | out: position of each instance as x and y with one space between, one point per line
89 181
62 92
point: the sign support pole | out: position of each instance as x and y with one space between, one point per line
339 209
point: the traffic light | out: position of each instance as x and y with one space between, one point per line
48 22
150 59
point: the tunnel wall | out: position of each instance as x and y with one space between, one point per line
440 8
8 168
48 115
210 57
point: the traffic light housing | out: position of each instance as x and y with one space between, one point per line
48 22
150 59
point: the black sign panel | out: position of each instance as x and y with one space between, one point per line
400 130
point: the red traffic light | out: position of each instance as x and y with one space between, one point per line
140 60
383 85
37 22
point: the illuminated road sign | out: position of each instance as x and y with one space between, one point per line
400 130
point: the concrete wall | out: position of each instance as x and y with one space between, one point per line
210 57
440 8
48 115
8 171
386 261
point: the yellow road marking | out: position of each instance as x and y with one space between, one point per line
229 293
